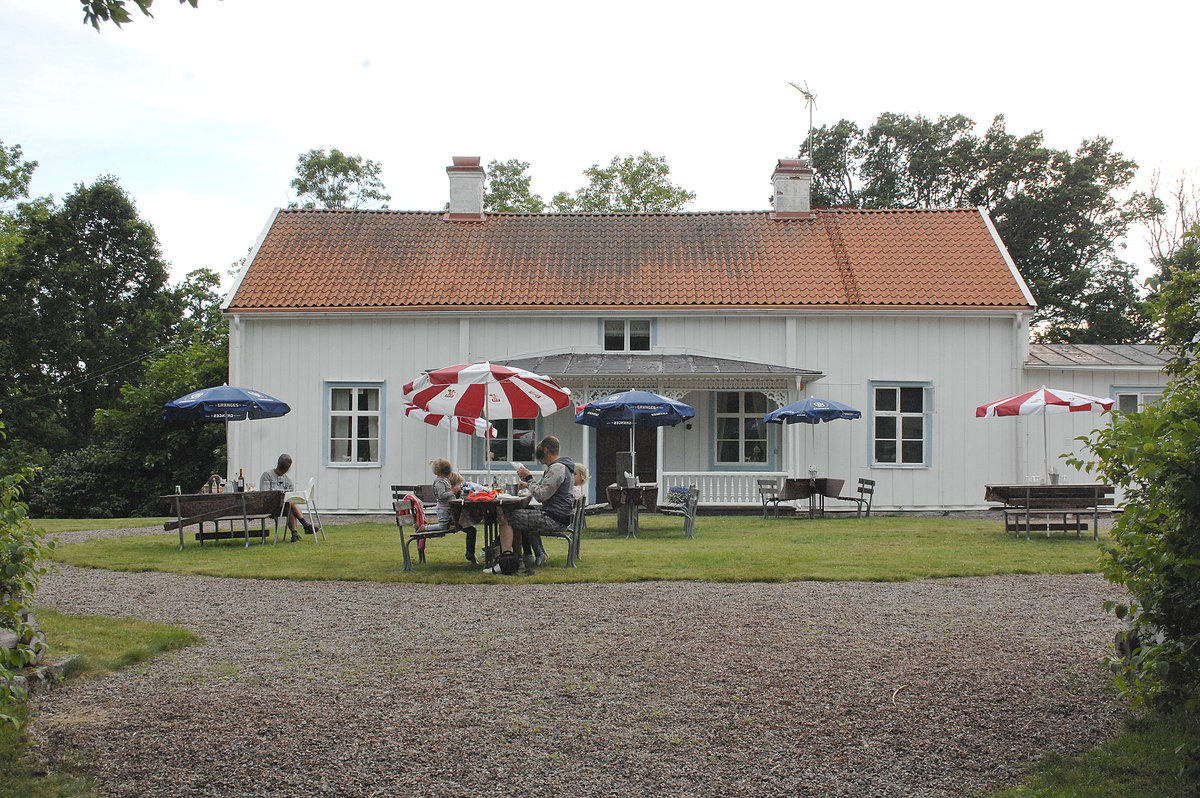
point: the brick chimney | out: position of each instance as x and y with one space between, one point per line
791 187
466 189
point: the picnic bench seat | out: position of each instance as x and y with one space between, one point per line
1053 507
683 503
405 517
422 492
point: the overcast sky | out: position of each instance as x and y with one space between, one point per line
201 113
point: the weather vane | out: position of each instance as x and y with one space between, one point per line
810 100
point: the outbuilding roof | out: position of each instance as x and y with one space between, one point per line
401 260
1093 356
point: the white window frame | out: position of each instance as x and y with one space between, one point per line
1145 396
742 415
627 334
355 415
925 415
507 440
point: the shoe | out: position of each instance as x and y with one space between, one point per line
308 528
541 559
471 559
527 571
295 538
494 569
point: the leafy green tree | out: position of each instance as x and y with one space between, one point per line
86 302
634 184
117 11
15 173
22 550
337 181
1154 456
508 189
1059 213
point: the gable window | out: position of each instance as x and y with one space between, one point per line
626 335
1134 399
741 433
900 424
354 417
514 441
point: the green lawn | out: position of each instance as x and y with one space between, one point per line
725 549
79 524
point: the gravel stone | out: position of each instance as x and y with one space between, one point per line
929 688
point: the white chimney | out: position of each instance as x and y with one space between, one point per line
466 189
791 186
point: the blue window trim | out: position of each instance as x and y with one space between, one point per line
927 414
327 388
772 441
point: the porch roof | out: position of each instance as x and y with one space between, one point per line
1093 356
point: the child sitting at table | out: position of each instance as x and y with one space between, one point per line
581 478
447 485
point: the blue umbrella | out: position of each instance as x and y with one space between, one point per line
634 409
224 403
811 410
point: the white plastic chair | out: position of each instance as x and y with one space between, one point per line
307 497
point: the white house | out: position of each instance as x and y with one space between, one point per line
914 317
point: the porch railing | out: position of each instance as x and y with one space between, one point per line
729 488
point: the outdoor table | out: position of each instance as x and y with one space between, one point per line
815 490
1022 503
197 508
627 499
465 512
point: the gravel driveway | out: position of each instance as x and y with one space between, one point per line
931 688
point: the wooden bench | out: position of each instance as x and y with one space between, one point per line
405 517
866 495
689 500
1053 507
234 508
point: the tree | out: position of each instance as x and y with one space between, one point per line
337 181
15 174
634 184
1059 213
508 189
116 12
1154 456
86 302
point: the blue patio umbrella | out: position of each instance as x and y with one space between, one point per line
633 409
811 410
224 403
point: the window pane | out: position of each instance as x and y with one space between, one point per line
498 447
885 427
911 400
368 399
368 451
339 399
756 403
1151 399
756 452
639 335
912 451
614 335
1127 402
339 451
339 427
755 429
728 402
523 439
727 428
885 399
727 452
885 451
368 426
912 428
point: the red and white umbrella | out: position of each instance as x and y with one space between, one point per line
1040 403
479 427
487 390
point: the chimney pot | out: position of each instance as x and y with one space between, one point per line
466 188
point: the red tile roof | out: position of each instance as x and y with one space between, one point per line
368 260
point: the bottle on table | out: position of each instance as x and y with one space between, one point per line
241 482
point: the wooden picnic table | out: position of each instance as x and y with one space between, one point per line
1052 505
813 489
627 500
200 508
465 512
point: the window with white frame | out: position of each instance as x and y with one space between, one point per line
354 416
741 433
1132 400
514 441
900 418
626 335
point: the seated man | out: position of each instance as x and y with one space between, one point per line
554 493
277 479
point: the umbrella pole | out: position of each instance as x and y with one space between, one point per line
1045 449
633 447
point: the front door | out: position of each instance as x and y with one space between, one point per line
610 440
